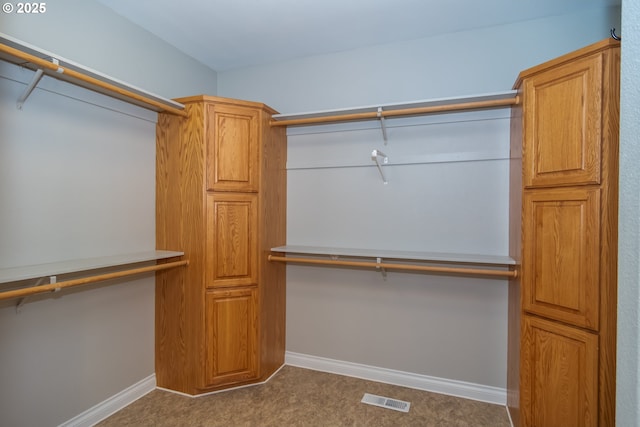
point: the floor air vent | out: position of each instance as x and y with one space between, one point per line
386 402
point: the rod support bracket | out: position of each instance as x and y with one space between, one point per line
383 270
375 156
27 91
383 125
22 301
34 82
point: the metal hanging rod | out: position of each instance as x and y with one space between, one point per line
393 266
55 287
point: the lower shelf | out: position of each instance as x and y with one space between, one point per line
466 264
50 270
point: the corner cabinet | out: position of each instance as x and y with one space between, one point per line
564 206
221 198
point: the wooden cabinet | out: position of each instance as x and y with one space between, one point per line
221 198
233 149
231 341
231 240
560 263
559 374
562 133
562 307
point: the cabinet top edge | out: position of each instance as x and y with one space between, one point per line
602 45
223 100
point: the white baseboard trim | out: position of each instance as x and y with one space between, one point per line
195 396
510 419
102 410
466 390
456 388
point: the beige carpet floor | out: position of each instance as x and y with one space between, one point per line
301 397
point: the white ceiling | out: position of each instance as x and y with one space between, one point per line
226 34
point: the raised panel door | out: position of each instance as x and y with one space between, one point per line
231 240
559 375
563 124
231 328
233 148
560 263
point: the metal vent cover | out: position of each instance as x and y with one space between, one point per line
386 402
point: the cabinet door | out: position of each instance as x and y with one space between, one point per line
231 240
232 148
561 263
563 125
559 375
231 336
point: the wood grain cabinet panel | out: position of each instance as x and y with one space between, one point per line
232 232
232 155
562 129
231 336
221 190
561 258
561 375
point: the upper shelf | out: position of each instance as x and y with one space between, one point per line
15 274
441 105
29 56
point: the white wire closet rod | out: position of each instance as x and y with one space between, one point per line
51 270
462 264
380 112
50 64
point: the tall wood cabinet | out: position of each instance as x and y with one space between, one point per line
564 185
221 198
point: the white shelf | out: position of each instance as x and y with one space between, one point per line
373 109
495 260
15 274
83 76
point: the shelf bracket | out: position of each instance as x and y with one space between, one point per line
34 82
375 156
383 270
27 91
22 301
383 125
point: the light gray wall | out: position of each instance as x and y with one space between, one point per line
427 324
62 354
628 377
463 63
93 35
447 327
77 179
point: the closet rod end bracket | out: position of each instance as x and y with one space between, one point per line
383 126
383 270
